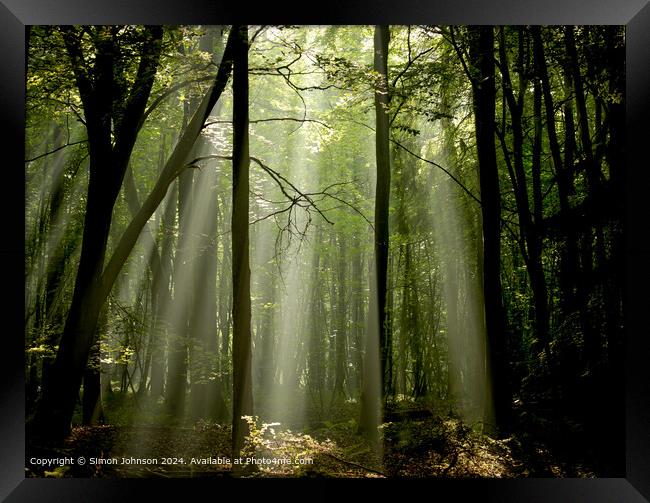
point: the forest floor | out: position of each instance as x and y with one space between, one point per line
424 447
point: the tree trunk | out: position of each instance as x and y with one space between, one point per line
315 371
161 325
482 60
266 366
241 357
92 410
382 192
341 322
376 335
225 303
357 312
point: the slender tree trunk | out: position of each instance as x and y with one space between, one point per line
241 359
593 175
382 194
315 354
161 325
535 234
357 311
266 366
482 60
225 303
591 169
568 257
377 344
331 265
341 322
405 332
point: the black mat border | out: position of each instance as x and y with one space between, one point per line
16 14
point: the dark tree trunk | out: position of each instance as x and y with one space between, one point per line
616 161
377 337
568 258
382 193
92 410
535 234
482 61
592 340
241 357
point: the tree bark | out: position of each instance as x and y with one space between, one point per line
483 87
376 334
241 354
382 191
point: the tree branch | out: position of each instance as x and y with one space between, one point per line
293 119
55 150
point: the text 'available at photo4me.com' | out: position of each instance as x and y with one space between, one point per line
223 461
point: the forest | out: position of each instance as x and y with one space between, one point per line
324 251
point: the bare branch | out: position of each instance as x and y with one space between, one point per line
159 99
273 119
458 182
409 63
55 150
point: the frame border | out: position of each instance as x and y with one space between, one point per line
15 15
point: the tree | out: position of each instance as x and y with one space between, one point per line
382 195
483 90
377 330
112 113
241 310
